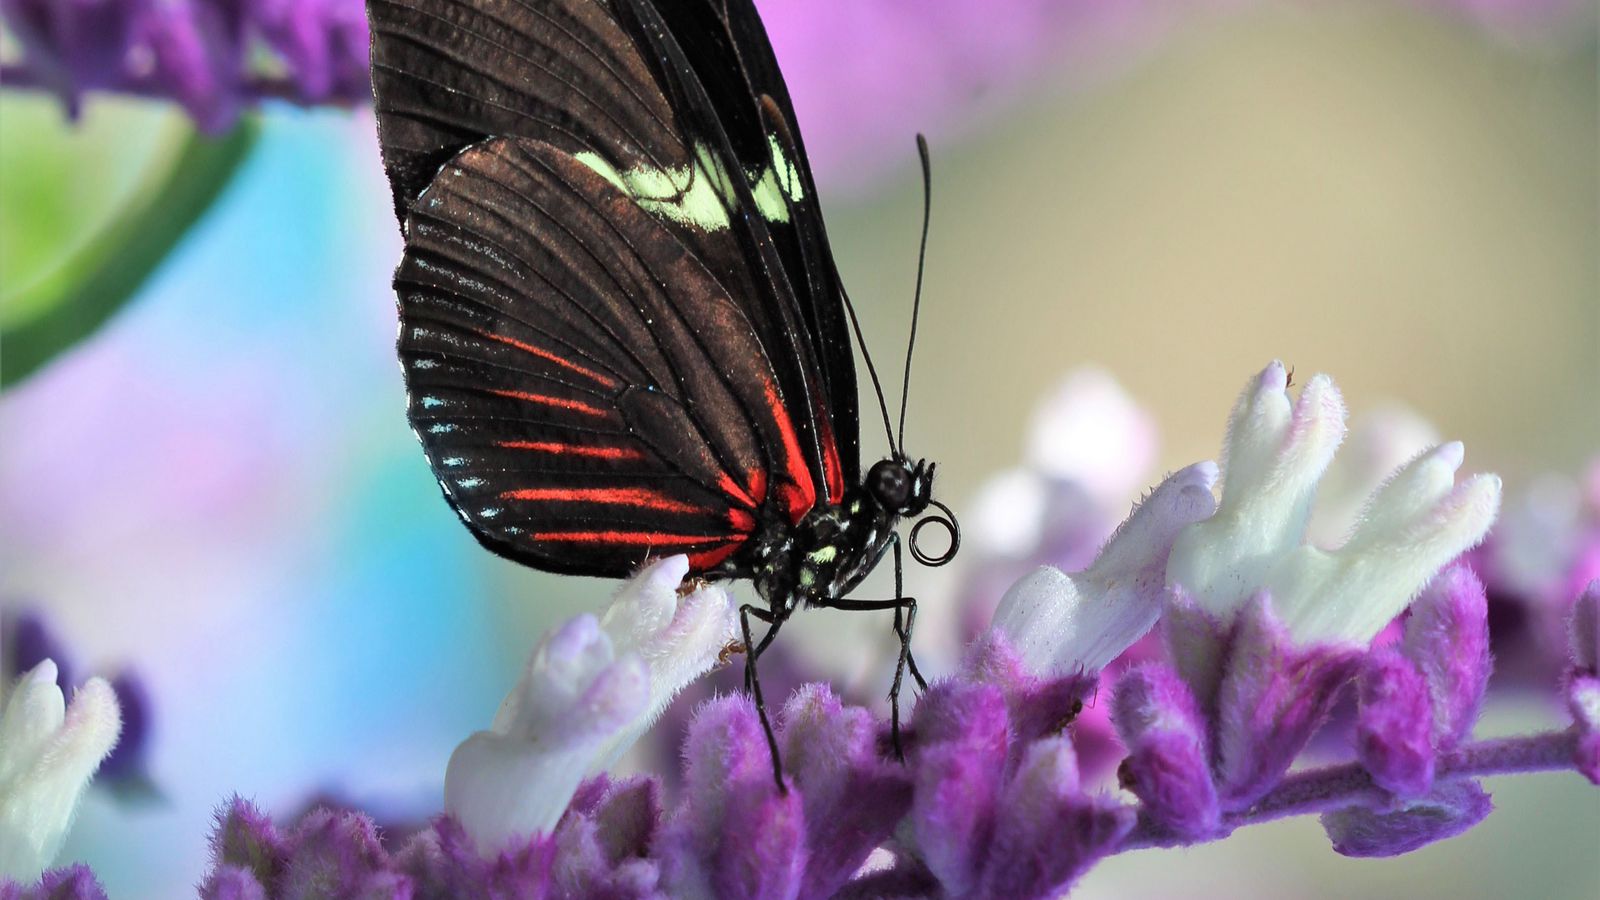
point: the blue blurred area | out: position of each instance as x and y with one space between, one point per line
220 491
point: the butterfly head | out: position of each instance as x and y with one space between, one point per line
901 486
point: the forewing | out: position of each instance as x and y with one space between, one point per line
585 389
726 43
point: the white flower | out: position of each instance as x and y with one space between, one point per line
1276 453
48 752
590 689
1380 441
1060 623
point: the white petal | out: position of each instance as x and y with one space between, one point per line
54 755
590 689
1275 454
1381 441
502 786
684 649
1061 623
32 714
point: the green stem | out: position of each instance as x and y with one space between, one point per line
97 280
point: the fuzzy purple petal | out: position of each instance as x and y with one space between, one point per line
232 883
1048 832
1036 706
762 854
1272 698
524 871
1197 642
1450 809
735 835
74 882
246 838
1447 638
1168 764
853 798
959 765
333 853
1394 725
602 844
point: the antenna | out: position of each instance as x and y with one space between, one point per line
922 257
872 370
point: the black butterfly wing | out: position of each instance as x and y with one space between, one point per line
584 388
612 85
726 44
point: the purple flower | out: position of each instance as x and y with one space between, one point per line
1169 757
75 882
1395 730
200 53
1272 696
737 836
1449 810
987 821
1583 682
1420 698
851 796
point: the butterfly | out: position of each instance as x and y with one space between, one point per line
621 327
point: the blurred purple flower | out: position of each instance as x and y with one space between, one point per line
75 882
1583 682
200 53
1538 559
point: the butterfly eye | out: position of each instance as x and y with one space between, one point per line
890 483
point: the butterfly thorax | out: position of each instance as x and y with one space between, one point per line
823 556
829 551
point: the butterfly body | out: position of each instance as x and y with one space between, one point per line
827 554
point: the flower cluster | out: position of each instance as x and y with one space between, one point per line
200 53
976 810
1260 632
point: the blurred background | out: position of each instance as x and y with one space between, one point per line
206 476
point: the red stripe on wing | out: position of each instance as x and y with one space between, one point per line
557 402
706 559
832 469
798 494
732 489
640 497
617 453
556 358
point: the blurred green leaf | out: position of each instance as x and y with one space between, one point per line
87 224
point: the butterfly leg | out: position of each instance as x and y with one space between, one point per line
752 683
906 606
904 631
